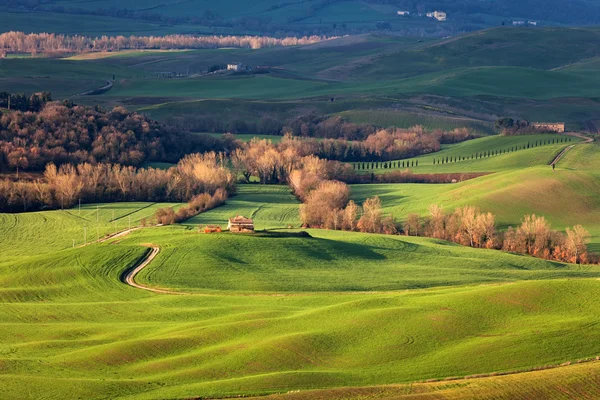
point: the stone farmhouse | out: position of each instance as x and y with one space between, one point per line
240 224
550 126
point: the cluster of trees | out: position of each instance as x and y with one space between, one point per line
327 204
49 43
307 126
274 163
64 186
22 102
65 133
469 226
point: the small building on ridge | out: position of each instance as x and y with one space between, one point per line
549 126
240 224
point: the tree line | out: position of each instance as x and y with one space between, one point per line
62 133
64 186
469 226
50 43
22 102
361 166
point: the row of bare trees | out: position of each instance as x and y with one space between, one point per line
62 187
469 226
197 205
38 43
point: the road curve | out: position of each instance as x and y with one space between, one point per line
129 276
562 153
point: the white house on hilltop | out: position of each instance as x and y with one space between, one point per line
404 13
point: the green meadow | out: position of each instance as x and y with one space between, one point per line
287 313
465 81
343 315
279 312
507 153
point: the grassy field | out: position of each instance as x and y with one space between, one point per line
513 154
277 314
467 81
270 206
20 234
126 343
332 261
571 381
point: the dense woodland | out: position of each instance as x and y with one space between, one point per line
50 43
65 133
62 133
349 141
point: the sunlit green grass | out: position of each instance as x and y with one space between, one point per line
513 155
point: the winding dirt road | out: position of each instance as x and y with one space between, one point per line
129 277
586 139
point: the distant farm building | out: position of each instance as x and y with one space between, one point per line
240 224
404 13
534 23
549 126
518 23
439 15
234 67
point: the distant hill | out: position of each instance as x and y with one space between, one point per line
287 17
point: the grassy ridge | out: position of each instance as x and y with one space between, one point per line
573 381
331 261
522 157
126 343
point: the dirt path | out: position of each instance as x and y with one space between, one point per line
109 85
586 139
129 277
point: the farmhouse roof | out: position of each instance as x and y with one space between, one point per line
240 220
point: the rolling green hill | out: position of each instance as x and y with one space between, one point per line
332 261
513 154
272 313
469 80
127 343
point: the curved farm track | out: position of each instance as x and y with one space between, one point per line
560 155
129 276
